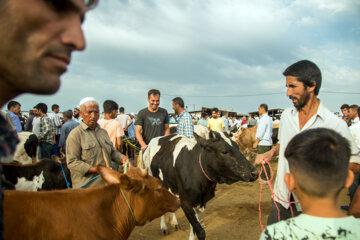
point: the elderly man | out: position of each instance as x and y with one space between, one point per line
37 38
89 145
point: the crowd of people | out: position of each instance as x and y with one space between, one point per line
318 155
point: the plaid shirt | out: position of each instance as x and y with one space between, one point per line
55 119
186 125
46 130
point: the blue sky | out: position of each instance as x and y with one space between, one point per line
228 54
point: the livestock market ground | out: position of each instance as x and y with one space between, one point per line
232 214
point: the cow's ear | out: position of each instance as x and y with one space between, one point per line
200 140
212 135
108 175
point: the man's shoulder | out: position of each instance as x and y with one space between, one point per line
162 110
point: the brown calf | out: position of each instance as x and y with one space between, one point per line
95 213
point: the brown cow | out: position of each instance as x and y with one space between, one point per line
95 213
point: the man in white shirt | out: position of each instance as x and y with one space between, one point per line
124 119
263 142
303 81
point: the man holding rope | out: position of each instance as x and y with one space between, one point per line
303 81
37 39
89 145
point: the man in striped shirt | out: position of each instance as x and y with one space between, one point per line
57 124
46 136
185 123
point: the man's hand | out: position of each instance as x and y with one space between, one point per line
255 145
92 170
261 158
143 147
124 160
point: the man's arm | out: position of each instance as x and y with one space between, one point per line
167 129
354 167
139 137
119 144
62 140
260 158
73 156
130 122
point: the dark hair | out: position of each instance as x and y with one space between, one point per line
68 114
54 106
320 171
203 114
121 109
12 104
215 110
307 72
344 106
179 101
42 106
153 92
109 106
354 107
264 106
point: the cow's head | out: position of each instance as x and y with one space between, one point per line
148 197
224 161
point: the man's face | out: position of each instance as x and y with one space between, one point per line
90 114
175 107
76 113
261 110
345 112
36 112
297 92
56 110
37 38
352 114
16 109
154 102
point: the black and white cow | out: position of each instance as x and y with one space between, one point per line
191 168
43 175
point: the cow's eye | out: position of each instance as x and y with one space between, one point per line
224 152
158 190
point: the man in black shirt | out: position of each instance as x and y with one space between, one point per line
152 121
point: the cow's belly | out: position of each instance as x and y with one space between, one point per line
35 184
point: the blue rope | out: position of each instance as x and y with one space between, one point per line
89 181
67 183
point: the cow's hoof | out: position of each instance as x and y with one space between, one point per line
177 227
165 232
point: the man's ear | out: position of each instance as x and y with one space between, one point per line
311 88
349 179
290 181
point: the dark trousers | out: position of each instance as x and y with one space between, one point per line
55 149
261 150
45 150
354 186
284 213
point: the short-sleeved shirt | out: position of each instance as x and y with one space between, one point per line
203 122
264 130
123 119
289 127
216 124
309 227
36 126
55 119
113 127
153 123
186 125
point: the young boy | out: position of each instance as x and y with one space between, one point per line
318 160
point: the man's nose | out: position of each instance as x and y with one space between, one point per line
72 34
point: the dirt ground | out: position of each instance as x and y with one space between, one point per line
232 214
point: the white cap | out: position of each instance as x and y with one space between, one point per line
88 99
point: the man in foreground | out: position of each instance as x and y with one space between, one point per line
317 190
303 81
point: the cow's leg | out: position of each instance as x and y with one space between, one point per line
174 221
194 221
163 226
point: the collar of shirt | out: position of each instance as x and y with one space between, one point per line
85 127
321 111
